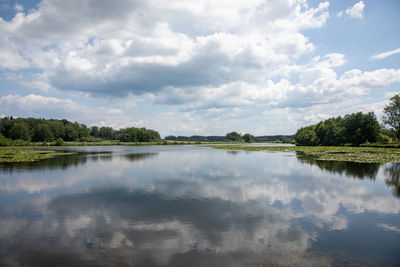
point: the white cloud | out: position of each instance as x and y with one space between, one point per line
386 54
43 86
11 57
355 11
18 8
120 48
318 84
388 227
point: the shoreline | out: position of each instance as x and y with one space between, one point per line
361 154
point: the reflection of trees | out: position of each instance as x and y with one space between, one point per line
353 169
233 152
64 162
139 156
58 162
101 157
392 173
358 170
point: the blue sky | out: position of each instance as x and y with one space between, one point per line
198 67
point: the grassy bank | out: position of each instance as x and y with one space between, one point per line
353 154
12 154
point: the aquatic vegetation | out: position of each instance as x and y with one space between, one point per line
337 153
10 154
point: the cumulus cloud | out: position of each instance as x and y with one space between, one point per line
386 54
319 83
10 55
138 47
355 11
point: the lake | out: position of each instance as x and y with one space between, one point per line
197 206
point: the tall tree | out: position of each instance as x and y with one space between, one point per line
94 131
106 133
20 130
360 128
248 138
392 115
328 132
43 133
233 136
70 132
83 131
306 136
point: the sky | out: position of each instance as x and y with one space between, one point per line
201 67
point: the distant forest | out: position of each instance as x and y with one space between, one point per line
50 130
233 136
43 130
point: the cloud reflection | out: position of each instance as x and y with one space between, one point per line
179 206
143 225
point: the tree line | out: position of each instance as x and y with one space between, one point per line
231 137
196 138
249 138
44 130
353 129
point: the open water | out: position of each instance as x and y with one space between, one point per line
197 206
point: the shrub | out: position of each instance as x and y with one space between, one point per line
383 139
4 141
59 142
20 142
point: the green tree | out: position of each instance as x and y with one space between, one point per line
129 135
43 133
57 128
83 131
392 115
20 130
370 127
248 138
4 141
329 132
360 128
143 135
106 133
59 142
70 133
94 131
306 136
155 136
233 136
6 124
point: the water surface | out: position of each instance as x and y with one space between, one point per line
181 205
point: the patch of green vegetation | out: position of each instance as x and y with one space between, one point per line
12 154
336 153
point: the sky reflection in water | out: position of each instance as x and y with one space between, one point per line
180 205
